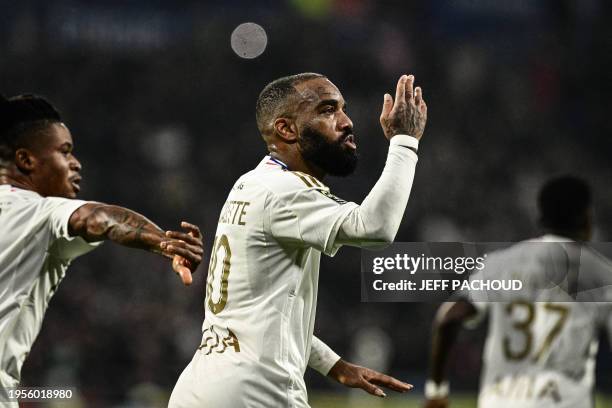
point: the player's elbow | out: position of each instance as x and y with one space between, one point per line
383 234
372 229
380 228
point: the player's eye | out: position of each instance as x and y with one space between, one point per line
328 109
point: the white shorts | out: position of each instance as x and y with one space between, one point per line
229 381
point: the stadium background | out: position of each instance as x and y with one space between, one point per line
162 112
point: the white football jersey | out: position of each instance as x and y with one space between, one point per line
261 291
540 350
35 251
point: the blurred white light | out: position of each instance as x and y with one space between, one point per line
249 40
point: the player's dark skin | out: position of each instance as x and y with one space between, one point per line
46 164
319 105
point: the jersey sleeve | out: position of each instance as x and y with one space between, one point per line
604 318
322 357
313 216
375 222
58 211
308 216
608 325
480 298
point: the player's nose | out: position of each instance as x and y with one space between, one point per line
345 123
75 164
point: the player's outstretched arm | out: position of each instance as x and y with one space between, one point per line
377 219
98 222
446 325
369 380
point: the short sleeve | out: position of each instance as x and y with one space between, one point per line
59 211
478 298
604 319
64 246
482 308
310 217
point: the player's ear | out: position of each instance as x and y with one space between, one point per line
25 160
286 129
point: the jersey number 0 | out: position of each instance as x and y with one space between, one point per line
220 243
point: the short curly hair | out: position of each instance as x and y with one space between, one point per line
273 98
20 117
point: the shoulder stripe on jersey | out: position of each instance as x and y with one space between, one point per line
309 180
304 180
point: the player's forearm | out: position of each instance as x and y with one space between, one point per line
378 218
443 338
446 326
121 225
322 357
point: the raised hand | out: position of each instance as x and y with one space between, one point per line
408 114
355 376
185 249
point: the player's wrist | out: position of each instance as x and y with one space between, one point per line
407 141
434 390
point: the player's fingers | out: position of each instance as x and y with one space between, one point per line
197 249
418 95
187 237
400 91
423 106
387 106
192 228
183 272
390 382
184 262
372 389
185 253
409 88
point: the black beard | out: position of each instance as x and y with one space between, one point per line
332 157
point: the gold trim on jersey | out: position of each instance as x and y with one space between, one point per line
309 180
313 182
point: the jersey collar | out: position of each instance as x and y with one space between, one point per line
272 161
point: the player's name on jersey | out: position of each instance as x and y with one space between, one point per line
234 213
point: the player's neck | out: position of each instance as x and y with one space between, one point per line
9 176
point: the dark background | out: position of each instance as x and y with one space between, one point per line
162 113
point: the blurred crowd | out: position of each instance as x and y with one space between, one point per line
162 114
